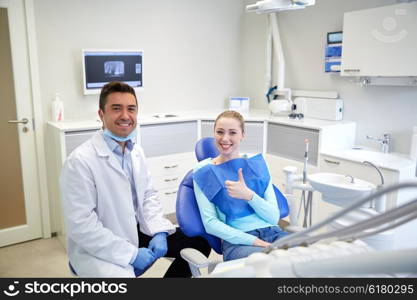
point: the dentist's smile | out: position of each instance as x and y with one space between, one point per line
129 124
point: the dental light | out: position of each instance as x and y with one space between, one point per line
269 6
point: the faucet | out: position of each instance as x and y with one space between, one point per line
384 141
379 171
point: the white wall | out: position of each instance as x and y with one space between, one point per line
199 52
191 53
191 50
376 110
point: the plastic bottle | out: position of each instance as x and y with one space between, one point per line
57 108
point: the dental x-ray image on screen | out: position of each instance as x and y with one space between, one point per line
114 69
103 66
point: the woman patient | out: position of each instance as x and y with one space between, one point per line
235 195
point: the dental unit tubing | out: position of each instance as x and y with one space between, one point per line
306 237
339 253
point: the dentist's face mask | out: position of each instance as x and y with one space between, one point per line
119 138
120 116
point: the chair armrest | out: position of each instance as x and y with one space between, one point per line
195 259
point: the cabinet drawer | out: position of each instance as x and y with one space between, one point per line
169 181
163 182
288 141
171 138
75 138
168 198
171 165
254 135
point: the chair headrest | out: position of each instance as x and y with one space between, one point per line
206 147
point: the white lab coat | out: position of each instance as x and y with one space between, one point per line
99 213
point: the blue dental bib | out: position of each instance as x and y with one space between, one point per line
211 179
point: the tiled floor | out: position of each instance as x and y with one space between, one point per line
47 258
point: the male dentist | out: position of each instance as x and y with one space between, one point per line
114 221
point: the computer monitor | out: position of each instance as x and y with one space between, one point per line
103 66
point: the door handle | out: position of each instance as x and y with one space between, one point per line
23 121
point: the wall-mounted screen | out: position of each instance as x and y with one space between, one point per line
103 66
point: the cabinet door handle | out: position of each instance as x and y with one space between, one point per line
332 161
170 167
170 193
172 179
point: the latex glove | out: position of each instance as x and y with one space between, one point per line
158 244
143 260
238 189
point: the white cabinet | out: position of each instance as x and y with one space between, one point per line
62 142
289 142
169 148
402 236
167 172
168 138
380 41
75 138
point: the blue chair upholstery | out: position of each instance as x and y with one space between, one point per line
187 212
205 148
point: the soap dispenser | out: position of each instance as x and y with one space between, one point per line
57 108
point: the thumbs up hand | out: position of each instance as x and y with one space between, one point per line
238 189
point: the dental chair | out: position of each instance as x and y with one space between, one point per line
188 214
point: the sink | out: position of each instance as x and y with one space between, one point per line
338 189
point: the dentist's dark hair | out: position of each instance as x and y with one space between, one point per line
233 115
114 87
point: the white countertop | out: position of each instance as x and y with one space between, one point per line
184 116
392 161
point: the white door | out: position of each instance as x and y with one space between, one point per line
20 214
